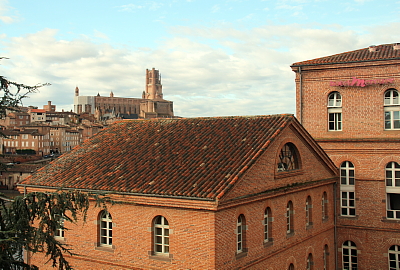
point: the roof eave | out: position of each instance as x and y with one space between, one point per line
346 62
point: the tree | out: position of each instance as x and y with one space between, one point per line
13 93
28 223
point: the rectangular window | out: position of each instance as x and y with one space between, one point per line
335 121
392 120
348 203
393 206
25 136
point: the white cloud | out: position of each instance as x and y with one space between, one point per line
205 71
8 15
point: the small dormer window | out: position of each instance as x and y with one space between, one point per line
288 158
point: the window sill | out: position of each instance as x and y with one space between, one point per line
390 220
285 174
104 248
309 226
241 254
325 219
269 243
348 217
60 239
290 234
159 257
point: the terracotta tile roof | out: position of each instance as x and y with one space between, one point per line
192 157
382 52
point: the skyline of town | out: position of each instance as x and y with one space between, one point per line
216 58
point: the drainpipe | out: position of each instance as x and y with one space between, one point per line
300 117
335 223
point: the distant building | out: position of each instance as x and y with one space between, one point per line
151 105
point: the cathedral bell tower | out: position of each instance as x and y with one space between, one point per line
153 85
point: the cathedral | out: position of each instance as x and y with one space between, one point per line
151 105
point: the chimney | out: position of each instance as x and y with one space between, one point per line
372 48
396 46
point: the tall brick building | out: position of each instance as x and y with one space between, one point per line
349 102
202 193
151 105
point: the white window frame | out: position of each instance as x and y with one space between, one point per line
334 120
240 234
59 232
347 189
394 257
347 174
391 97
392 118
392 174
391 213
334 99
391 109
161 236
105 229
267 225
348 203
392 179
349 251
335 111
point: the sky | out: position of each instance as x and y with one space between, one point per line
216 58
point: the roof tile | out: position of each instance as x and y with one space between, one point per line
194 157
382 52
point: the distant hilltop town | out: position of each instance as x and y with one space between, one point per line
47 133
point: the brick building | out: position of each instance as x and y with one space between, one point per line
151 105
201 193
349 102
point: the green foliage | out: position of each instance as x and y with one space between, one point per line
29 222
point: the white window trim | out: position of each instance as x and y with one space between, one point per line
163 236
351 248
105 229
348 201
396 254
337 121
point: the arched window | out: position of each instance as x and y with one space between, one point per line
393 174
105 229
393 190
392 97
308 211
334 111
326 257
334 99
347 189
267 225
310 263
161 235
288 158
289 218
349 256
324 206
394 257
392 109
241 234
291 267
